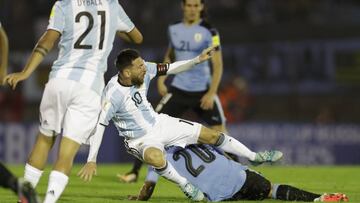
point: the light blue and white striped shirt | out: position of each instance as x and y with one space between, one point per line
88 29
128 107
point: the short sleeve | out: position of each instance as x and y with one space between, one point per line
215 37
57 18
124 22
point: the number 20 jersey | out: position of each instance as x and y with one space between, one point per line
88 29
205 167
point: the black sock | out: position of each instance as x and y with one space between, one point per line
289 193
136 167
7 179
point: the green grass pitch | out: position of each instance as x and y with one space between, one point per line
105 188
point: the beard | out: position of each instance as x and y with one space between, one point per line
137 81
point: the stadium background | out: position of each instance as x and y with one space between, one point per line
291 74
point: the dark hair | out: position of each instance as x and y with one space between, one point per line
203 13
125 58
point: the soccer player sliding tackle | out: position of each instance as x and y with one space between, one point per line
222 179
146 132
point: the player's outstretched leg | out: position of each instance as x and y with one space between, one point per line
290 193
155 157
231 145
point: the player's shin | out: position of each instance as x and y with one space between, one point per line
289 193
57 184
169 172
231 145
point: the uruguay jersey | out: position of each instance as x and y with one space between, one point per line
187 43
203 166
128 106
88 29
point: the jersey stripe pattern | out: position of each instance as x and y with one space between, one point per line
88 29
128 107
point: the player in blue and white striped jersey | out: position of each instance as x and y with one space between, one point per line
72 97
147 132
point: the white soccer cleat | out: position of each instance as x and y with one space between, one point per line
193 192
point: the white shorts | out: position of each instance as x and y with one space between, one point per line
70 107
168 131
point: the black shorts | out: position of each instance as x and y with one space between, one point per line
256 187
177 102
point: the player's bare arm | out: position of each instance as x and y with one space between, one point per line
44 45
145 192
134 36
181 66
4 51
207 101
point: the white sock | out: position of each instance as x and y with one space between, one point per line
171 174
57 184
32 174
233 146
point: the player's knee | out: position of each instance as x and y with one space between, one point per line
209 136
154 157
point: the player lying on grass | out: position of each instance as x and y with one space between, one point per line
223 179
146 132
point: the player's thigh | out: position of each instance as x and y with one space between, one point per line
179 132
214 116
53 106
82 114
138 146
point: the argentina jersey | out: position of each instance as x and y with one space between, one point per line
202 165
188 42
88 29
128 107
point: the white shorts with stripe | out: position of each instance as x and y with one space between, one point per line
168 131
69 107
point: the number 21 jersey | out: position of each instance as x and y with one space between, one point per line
88 29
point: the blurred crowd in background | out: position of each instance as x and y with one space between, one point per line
294 61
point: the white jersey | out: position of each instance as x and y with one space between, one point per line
88 29
128 106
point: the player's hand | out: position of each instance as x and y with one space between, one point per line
207 53
14 78
162 89
86 173
207 101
